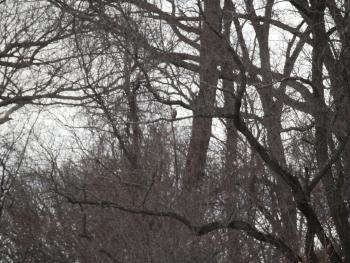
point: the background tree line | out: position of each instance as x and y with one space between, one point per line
97 167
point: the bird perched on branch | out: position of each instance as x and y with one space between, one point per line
173 114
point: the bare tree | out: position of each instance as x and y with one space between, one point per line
259 172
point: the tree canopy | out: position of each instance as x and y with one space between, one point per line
175 131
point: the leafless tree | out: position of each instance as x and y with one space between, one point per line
253 166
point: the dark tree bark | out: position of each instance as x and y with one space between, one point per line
204 103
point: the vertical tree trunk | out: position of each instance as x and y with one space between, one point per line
335 202
272 122
204 103
133 130
230 175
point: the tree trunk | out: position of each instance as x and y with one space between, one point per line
335 202
205 100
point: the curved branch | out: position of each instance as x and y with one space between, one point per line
252 232
198 230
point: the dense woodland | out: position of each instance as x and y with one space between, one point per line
175 131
